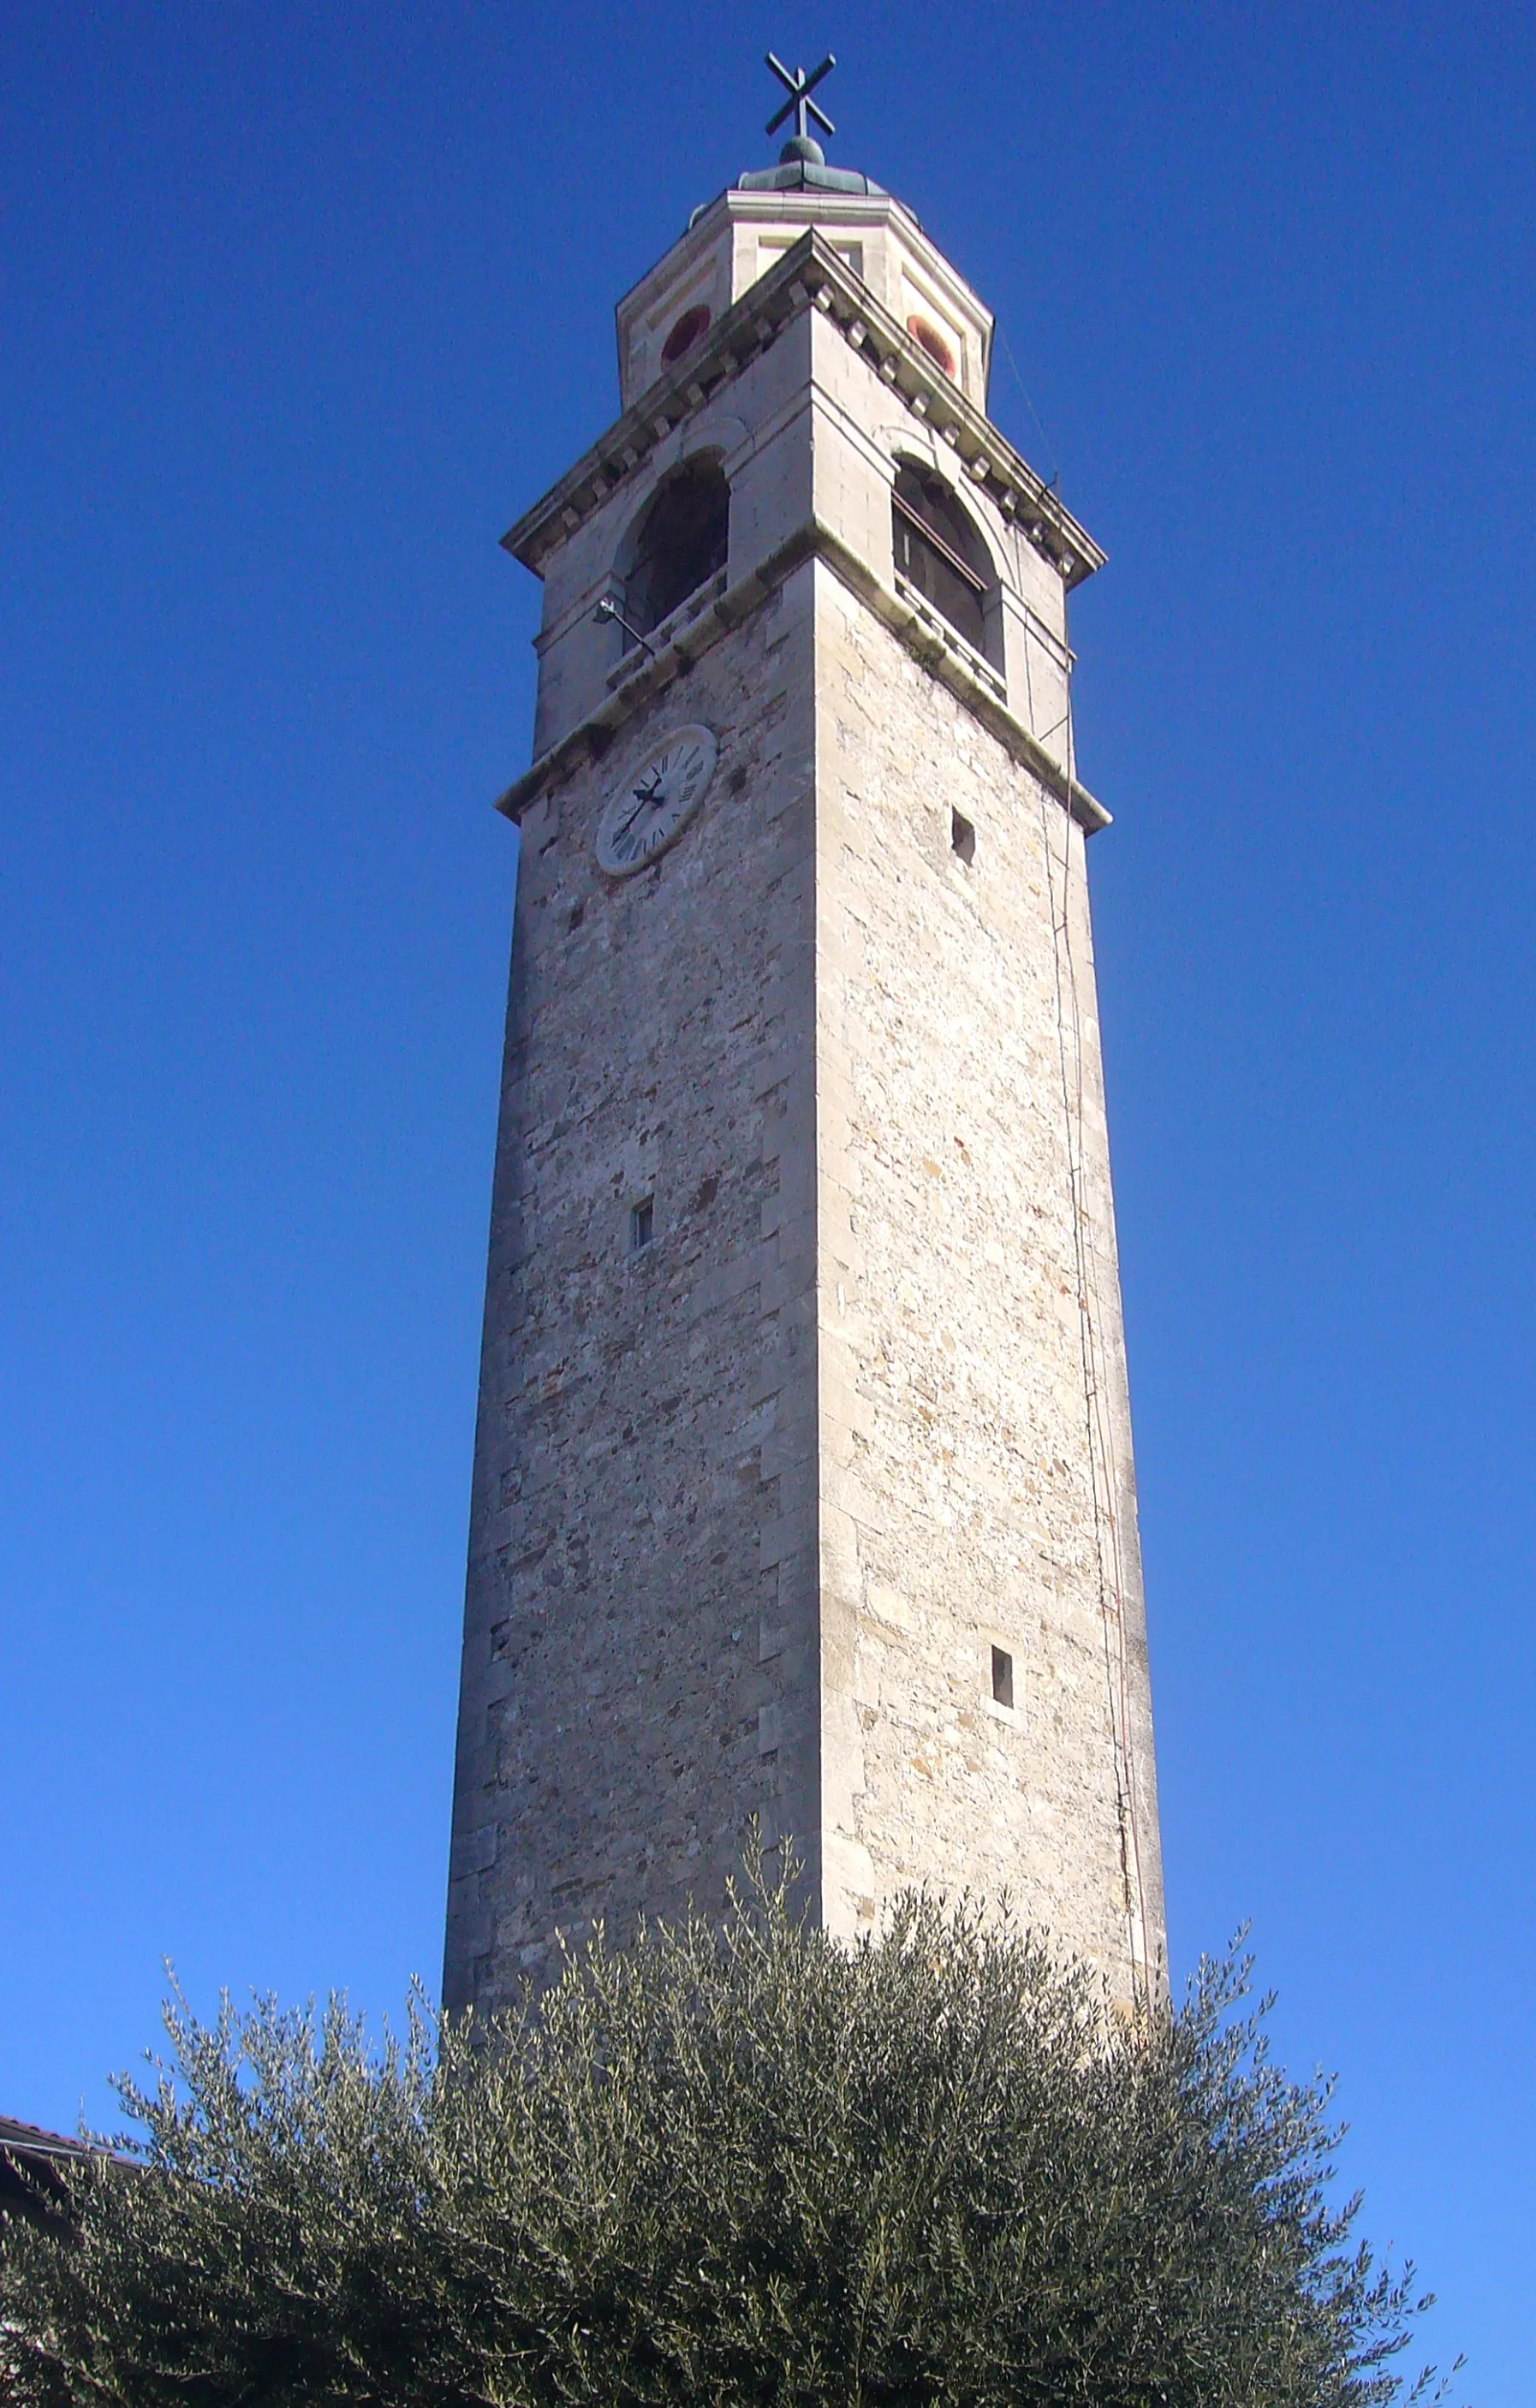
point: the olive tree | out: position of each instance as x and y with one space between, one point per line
732 2162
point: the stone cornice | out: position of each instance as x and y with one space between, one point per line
810 275
591 738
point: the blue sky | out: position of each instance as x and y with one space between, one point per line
303 305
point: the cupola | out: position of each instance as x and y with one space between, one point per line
745 231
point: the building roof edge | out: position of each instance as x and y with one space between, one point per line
810 275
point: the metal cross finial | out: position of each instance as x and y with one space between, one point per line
799 87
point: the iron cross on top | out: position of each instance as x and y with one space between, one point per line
799 87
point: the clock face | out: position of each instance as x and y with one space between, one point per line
654 804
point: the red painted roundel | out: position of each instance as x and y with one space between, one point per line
933 343
684 335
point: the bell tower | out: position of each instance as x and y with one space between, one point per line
803 1485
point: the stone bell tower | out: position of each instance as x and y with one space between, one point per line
803 1483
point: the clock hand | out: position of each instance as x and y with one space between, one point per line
642 795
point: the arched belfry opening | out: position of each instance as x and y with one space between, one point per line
941 556
682 542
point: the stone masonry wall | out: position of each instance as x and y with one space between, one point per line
957 1506
753 1507
640 1666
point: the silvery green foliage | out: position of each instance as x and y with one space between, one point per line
737 2165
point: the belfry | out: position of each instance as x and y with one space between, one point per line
803 1485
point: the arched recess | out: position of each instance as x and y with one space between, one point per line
943 555
681 540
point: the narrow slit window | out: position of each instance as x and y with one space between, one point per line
962 839
642 1224
1002 1677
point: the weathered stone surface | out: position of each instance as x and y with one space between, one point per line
754 1506
973 1493
644 1502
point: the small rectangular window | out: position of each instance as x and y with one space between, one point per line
1002 1677
643 1218
962 839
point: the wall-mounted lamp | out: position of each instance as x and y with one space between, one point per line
609 609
